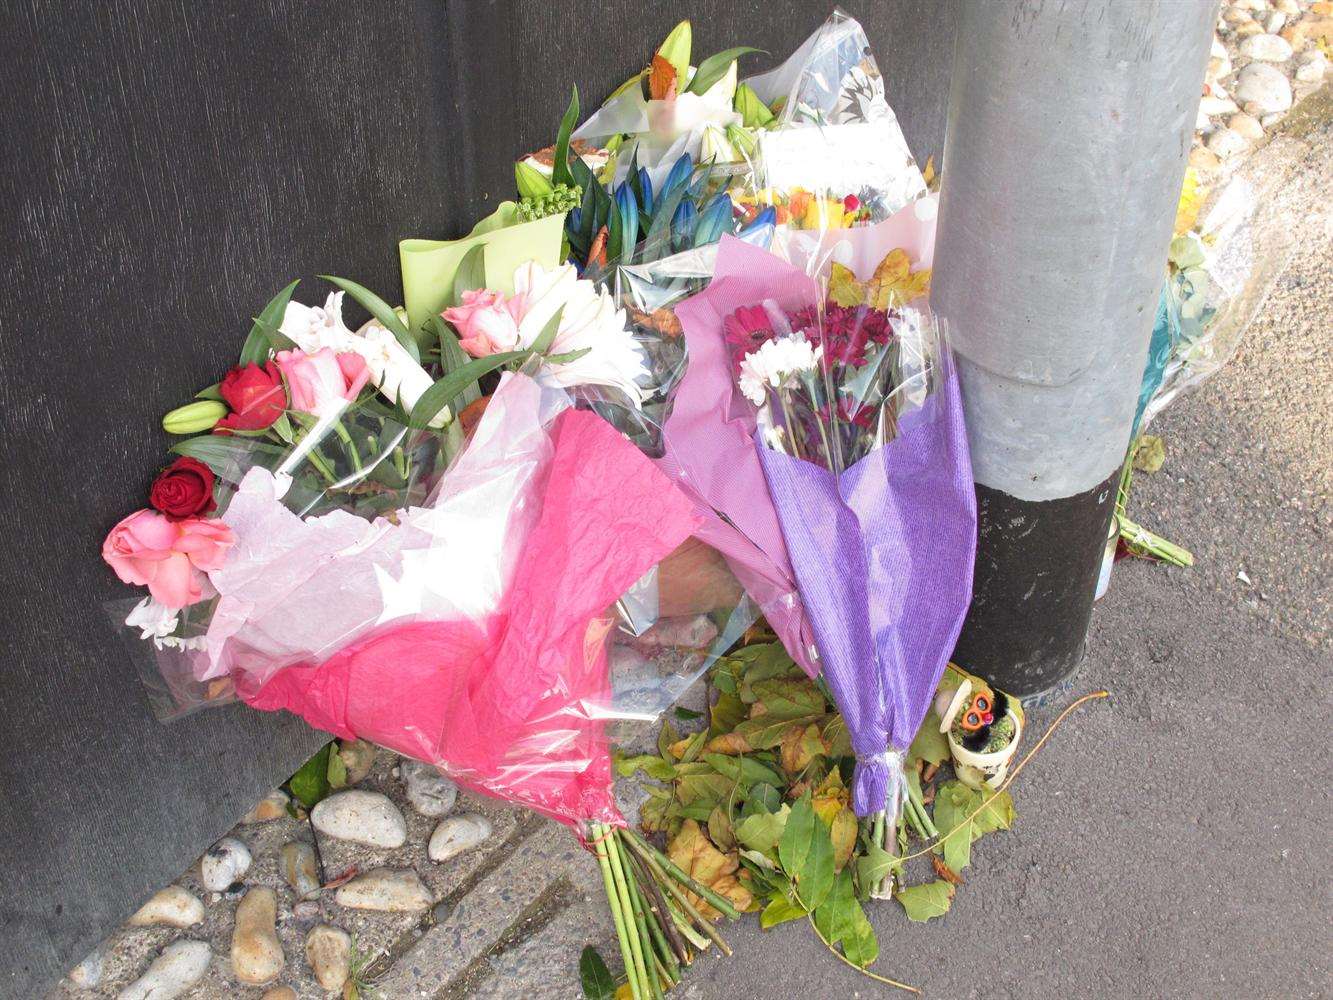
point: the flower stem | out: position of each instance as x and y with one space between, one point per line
691 911
641 924
637 969
349 446
600 834
670 867
672 948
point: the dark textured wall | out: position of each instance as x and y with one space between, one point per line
166 167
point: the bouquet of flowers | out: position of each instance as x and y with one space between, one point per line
333 541
856 427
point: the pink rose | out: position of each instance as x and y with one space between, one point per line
487 322
323 382
169 557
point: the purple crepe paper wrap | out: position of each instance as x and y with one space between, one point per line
882 554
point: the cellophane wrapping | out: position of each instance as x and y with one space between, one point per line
492 620
1219 275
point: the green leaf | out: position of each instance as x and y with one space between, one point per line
547 337
595 976
212 392
567 357
687 714
310 784
471 274
833 918
443 392
789 699
806 852
859 943
727 712
257 344
925 902
531 182
874 866
1149 453
381 310
715 67
954 802
763 797
666 736
452 356
997 815
651 765
337 771
930 744
720 829
754 112
560 173
767 731
226 453
762 831
744 771
779 910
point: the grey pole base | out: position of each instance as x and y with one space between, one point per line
1036 572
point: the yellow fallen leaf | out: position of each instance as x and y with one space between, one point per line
730 744
843 832
894 283
695 854
843 288
1192 194
800 746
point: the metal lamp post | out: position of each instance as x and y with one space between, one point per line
1069 126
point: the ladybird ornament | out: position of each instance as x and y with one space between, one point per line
983 727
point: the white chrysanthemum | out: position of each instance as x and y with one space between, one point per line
397 375
153 619
774 364
589 321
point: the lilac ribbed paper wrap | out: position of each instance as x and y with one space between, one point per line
882 556
709 454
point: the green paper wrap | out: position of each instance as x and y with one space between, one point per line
429 265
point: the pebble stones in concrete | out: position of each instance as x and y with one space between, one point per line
1263 86
387 890
256 953
328 949
170 907
300 869
224 864
430 792
362 817
272 806
172 973
457 834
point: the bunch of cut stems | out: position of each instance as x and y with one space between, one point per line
659 929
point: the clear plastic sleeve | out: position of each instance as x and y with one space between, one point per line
1219 275
835 156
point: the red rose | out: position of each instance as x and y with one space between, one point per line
184 488
255 395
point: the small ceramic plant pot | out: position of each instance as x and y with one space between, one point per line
977 769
